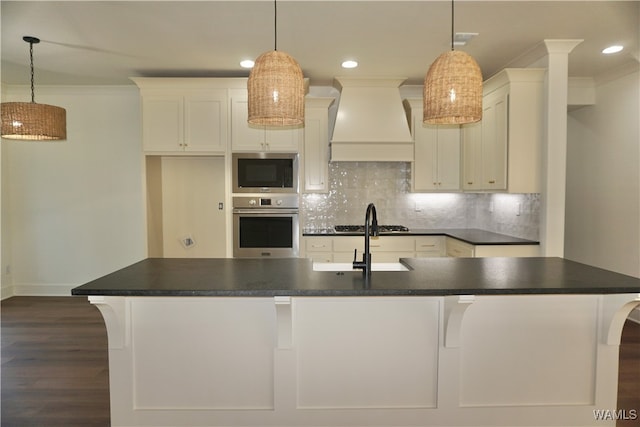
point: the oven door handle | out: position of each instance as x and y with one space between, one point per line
263 212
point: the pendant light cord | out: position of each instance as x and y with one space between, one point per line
275 25
452 33
33 98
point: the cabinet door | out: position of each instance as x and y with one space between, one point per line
472 156
162 122
205 121
437 157
448 157
424 172
245 137
316 155
494 139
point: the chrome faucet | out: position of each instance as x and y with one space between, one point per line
365 264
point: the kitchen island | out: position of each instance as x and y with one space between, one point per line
450 342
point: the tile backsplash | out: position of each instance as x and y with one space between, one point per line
353 185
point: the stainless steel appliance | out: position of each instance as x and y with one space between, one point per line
359 229
265 226
265 172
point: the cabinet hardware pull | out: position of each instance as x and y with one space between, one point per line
427 246
492 182
469 182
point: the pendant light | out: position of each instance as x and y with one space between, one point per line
31 121
453 88
276 88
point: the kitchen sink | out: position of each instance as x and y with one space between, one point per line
347 266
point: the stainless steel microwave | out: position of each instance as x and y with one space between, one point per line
265 172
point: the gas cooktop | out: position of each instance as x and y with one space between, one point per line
382 229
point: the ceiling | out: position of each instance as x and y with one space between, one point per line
93 42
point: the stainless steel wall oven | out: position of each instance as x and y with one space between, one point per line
265 226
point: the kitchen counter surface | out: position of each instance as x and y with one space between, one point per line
225 277
472 236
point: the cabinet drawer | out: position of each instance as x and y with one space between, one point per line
318 244
457 248
430 244
375 256
380 244
320 256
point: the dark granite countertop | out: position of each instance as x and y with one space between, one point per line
473 236
295 277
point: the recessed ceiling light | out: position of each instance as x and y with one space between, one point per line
247 63
350 64
612 49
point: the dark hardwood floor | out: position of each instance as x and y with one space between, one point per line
55 368
54 363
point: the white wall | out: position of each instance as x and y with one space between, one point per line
73 210
603 178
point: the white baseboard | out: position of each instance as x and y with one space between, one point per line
43 290
6 292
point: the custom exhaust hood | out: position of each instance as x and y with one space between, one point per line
371 123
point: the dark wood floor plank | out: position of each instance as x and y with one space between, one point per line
55 368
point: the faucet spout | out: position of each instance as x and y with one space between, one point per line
371 216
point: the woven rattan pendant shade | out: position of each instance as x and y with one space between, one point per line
276 91
453 90
29 121
33 122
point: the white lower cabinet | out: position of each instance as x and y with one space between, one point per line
392 248
430 246
383 248
460 249
319 249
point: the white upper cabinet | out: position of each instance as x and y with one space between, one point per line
245 137
502 152
436 165
315 164
495 139
179 117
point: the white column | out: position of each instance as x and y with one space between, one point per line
554 147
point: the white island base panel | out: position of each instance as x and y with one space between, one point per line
535 360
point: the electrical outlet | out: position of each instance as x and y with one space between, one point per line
187 241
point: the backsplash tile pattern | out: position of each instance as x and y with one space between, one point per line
352 185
